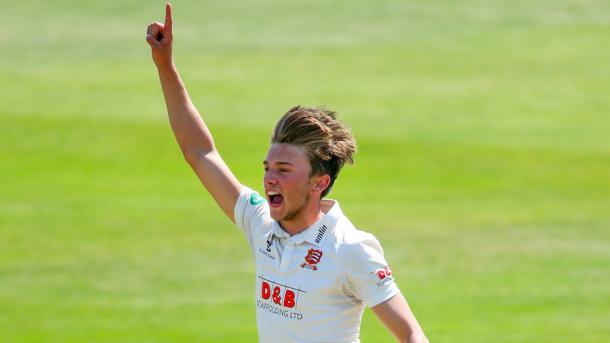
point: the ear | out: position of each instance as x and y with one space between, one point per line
321 183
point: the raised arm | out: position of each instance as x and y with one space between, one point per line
192 134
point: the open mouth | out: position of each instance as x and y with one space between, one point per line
275 199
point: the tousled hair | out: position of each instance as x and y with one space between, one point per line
326 141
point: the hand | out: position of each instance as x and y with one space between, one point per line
159 37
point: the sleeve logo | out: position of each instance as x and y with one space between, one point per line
384 275
256 199
384 272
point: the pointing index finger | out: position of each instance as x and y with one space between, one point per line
168 17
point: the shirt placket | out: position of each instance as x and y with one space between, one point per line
287 256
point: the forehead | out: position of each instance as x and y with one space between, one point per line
280 152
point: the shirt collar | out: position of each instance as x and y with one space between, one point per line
316 233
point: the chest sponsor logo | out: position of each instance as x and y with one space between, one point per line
279 299
384 275
312 258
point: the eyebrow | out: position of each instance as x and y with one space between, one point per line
279 163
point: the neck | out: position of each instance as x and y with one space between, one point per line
303 220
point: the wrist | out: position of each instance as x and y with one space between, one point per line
164 67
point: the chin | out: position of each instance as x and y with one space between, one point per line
276 215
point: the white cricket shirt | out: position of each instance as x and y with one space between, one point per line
313 286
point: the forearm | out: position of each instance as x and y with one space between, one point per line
410 336
190 130
416 338
397 316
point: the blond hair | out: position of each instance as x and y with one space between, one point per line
326 141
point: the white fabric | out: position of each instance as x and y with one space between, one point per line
320 299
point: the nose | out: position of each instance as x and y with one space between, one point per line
270 178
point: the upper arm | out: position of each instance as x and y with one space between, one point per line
398 318
366 272
217 179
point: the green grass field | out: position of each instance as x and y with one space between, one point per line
483 168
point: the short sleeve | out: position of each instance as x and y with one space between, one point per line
251 212
367 274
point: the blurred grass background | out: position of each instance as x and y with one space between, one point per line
484 162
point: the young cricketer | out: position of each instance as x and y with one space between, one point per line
315 272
